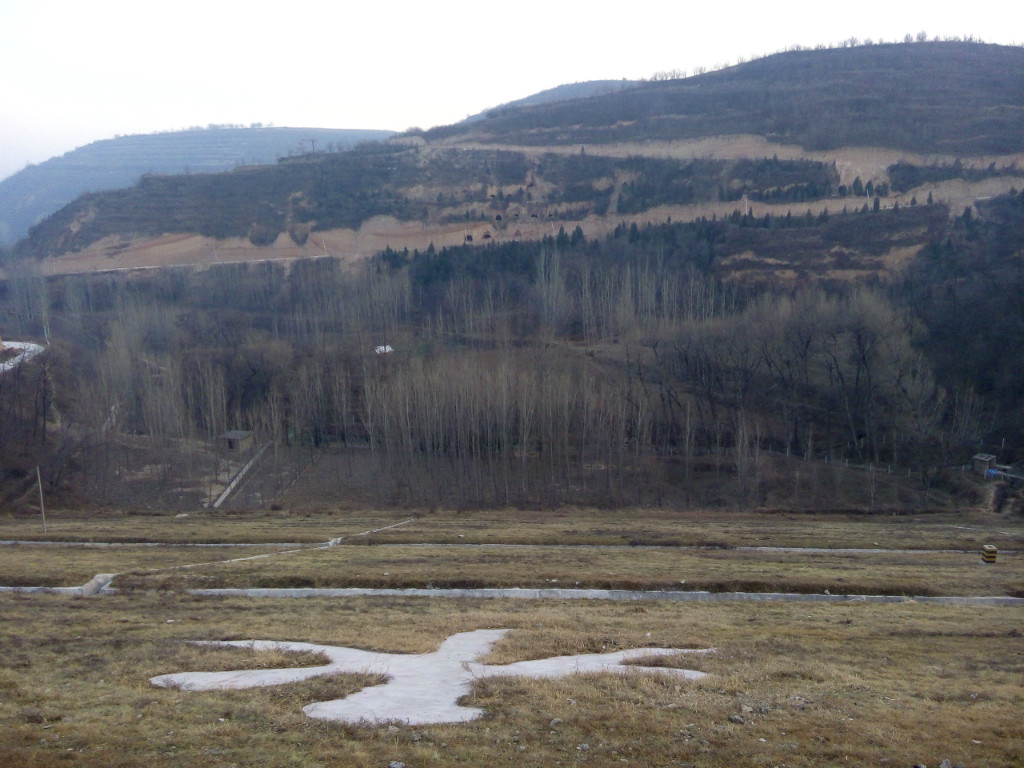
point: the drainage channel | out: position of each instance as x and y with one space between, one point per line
99 585
608 594
495 545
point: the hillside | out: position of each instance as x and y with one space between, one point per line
38 190
946 98
821 130
499 315
558 93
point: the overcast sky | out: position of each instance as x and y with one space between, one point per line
76 71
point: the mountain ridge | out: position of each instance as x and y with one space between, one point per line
959 98
43 188
625 155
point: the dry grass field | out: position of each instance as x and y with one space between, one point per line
790 684
200 528
965 530
471 566
26 565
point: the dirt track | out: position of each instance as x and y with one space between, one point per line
28 351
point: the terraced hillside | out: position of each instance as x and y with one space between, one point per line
819 132
35 192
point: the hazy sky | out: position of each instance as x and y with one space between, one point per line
75 71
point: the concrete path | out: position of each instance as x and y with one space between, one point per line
233 483
701 548
28 351
98 584
421 688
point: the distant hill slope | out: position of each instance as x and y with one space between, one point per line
558 93
38 190
944 122
942 97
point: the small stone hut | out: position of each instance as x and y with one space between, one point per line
236 440
982 463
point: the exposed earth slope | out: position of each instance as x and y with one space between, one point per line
819 131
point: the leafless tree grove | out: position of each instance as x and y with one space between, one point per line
584 382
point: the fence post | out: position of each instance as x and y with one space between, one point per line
42 506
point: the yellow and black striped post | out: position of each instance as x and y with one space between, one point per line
988 554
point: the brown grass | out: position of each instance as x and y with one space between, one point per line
606 568
967 530
450 559
253 527
814 685
73 565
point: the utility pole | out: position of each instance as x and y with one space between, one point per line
42 507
